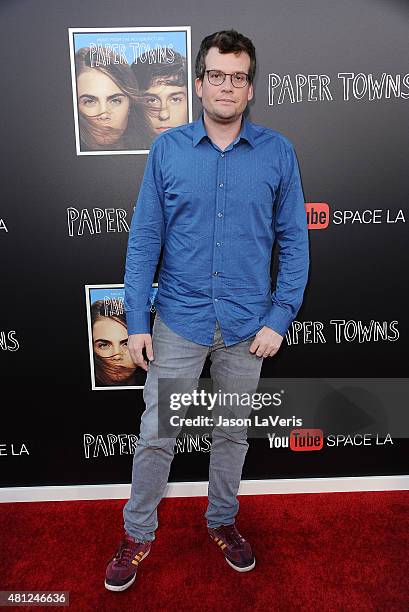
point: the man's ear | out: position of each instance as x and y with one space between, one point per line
250 93
199 87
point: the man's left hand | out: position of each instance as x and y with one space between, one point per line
266 343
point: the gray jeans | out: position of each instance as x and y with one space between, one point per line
176 357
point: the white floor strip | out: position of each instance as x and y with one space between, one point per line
199 489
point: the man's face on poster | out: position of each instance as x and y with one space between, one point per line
166 105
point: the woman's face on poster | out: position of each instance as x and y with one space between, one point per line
103 103
166 105
110 340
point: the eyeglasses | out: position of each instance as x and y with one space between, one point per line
217 77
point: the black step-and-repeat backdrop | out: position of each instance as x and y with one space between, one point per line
86 88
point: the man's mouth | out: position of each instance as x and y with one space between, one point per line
163 128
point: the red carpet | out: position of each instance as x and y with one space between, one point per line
321 552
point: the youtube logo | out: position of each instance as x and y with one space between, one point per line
306 439
317 215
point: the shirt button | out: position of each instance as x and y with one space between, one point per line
222 155
220 214
216 300
221 185
215 273
218 243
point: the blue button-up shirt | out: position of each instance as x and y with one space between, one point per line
216 214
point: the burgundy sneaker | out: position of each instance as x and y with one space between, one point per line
236 549
122 568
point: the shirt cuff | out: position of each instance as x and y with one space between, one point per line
278 318
138 322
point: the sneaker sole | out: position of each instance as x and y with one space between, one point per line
123 587
241 569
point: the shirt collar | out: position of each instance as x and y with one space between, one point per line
199 132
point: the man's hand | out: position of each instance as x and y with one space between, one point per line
136 342
266 343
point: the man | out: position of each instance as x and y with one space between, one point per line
164 87
215 195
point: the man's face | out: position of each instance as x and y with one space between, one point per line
166 105
224 103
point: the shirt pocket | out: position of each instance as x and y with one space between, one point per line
188 212
178 206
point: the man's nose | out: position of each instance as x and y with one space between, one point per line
164 113
227 85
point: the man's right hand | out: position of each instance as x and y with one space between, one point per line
136 342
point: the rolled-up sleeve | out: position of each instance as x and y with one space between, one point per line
145 240
292 237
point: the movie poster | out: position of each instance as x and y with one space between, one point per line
110 361
128 85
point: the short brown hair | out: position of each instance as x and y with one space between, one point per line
171 69
227 41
